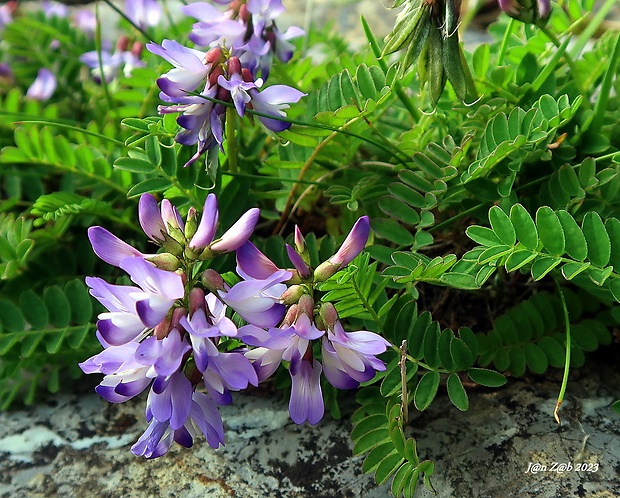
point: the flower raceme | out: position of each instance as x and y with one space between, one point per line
163 334
171 335
240 44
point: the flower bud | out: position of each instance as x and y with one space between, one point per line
234 66
214 75
163 328
212 280
306 305
324 271
136 48
353 244
292 294
171 245
122 43
328 314
165 261
191 224
196 299
177 314
296 258
291 316
213 56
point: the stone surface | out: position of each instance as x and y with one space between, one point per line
79 446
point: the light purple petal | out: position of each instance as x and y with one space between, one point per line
306 401
150 217
353 244
208 224
253 263
43 86
239 233
109 247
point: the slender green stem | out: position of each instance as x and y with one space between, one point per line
70 127
397 86
567 360
551 65
608 156
104 82
390 150
591 27
603 98
504 47
277 178
569 60
124 16
231 140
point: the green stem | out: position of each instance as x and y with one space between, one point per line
375 316
567 360
592 26
390 150
504 47
569 60
104 82
231 139
603 99
398 88
144 33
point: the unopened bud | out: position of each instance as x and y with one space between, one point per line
306 305
302 267
234 66
292 294
177 314
246 75
212 280
213 56
328 314
136 48
324 271
191 224
122 43
291 315
165 261
196 299
171 245
214 75
244 14
163 328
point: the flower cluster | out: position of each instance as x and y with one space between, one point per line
348 358
163 333
172 333
528 11
243 40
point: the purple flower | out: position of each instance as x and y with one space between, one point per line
350 248
222 371
159 289
272 101
86 21
350 357
43 86
111 64
191 67
238 90
214 26
124 376
306 401
143 13
6 13
353 244
110 248
257 301
54 9
203 416
121 323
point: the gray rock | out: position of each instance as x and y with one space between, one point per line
79 446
